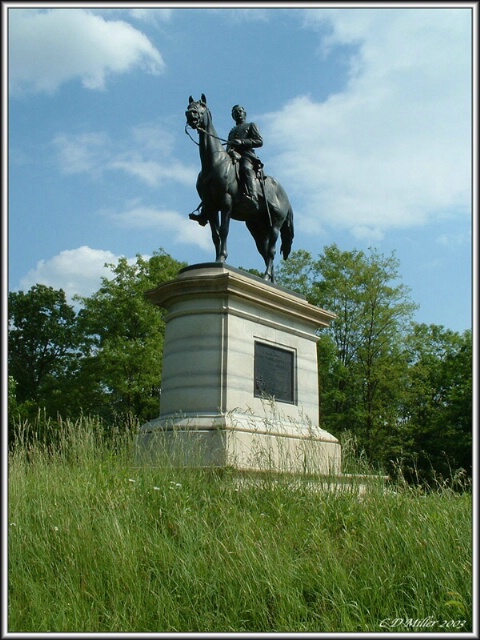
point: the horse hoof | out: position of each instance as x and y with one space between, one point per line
221 259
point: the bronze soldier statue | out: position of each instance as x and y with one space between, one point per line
222 189
243 139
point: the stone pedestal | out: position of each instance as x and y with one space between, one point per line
240 376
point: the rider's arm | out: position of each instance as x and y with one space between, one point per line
254 139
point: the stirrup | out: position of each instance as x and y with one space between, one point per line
201 218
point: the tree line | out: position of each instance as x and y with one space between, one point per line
401 389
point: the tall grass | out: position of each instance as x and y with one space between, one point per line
98 545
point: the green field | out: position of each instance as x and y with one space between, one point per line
96 544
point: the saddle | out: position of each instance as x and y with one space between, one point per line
201 217
257 165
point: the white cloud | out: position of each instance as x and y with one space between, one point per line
153 173
154 138
50 47
393 149
141 154
76 271
245 14
81 153
175 227
152 15
362 232
452 240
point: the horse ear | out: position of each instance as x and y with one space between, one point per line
204 100
190 100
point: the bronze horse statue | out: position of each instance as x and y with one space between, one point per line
219 190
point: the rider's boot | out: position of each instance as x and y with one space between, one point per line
201 217
251 190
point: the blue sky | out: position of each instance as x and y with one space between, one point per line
365 113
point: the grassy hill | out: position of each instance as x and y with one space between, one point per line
98 545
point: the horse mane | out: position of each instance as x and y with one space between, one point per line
207 110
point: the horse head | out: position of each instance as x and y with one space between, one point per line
197 112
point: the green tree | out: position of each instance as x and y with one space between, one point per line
123 340
362 361
373 312
298 273
42 346
437 414
403 390
12 394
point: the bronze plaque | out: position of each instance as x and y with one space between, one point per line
274 373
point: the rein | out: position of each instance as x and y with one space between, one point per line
222 140
188 134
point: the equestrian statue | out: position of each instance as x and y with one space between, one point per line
232 185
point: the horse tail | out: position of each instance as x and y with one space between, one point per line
286 234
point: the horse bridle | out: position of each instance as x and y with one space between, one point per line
222 140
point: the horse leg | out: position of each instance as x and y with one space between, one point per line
222 253
261 235
215 229
270 253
